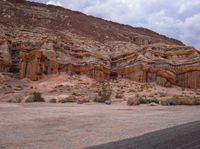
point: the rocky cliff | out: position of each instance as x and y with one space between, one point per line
37 40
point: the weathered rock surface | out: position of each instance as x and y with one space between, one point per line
37 40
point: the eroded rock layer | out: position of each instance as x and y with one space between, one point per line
38 40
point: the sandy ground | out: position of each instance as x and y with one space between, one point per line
73 126
59 86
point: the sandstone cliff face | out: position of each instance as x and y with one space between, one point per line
5 57
178 65
38 40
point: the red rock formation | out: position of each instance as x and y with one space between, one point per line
35 64
5 59
37 40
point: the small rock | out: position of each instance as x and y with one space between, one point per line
108 102
153 104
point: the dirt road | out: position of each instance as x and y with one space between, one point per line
73 126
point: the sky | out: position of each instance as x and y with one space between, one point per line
179 19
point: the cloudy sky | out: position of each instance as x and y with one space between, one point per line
179 19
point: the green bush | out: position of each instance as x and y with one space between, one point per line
34 97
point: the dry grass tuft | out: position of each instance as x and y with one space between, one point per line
104 94
181 100
71 98
34 97
133 101
119 96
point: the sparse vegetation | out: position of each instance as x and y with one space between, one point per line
18 100
105 93
181 100
53 100
118 95
163 94
174 100
83 100
153 100
34 97
137 100
71 98
133 101
141 99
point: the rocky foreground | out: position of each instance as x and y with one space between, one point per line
64 88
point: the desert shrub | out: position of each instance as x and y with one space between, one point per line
196 100
138 99
38 97
53 100
29 98
82 100
105 93
71 98
18 100
152 100
133 101
15 100
118 95
34 97
163 94
181 100
12 101
142 99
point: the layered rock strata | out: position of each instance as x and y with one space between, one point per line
38 40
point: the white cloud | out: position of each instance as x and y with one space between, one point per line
191 30
56 3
